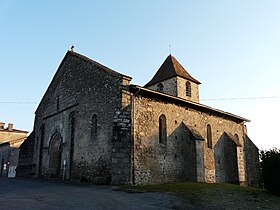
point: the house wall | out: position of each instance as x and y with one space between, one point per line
7 136
83 90
25 163
122 171
4 159
154 162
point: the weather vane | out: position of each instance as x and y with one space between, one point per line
170 49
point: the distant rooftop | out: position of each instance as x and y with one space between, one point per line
10 128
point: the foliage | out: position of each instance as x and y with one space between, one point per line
270 170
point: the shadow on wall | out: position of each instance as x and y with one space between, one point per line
188 150
252 163
226 165
175 160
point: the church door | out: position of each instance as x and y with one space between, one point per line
55 155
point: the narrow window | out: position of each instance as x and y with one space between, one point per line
162 130
160 87
57 103
209 136
72 134
42 139
188 89
93 127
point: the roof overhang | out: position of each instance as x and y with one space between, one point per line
135 89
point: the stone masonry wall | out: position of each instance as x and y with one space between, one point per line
121 143
252 163
181 90
176 86
83 90
169 86
155 162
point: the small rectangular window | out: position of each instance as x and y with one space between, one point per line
209 136
94 127
188 89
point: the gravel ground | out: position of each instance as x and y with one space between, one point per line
51 194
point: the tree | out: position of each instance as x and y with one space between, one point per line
270 170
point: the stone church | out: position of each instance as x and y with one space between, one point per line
93 125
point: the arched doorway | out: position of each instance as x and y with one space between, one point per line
55 155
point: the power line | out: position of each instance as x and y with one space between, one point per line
207 99
245 98
17 102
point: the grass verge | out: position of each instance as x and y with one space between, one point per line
216 196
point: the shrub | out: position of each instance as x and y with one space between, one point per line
270 170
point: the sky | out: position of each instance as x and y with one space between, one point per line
231 47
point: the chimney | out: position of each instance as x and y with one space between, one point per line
2 125
10 127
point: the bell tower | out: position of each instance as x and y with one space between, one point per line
171 78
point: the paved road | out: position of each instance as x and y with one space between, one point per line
51 194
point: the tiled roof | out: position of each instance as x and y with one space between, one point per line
13 131
170 68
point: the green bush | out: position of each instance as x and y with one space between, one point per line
270 170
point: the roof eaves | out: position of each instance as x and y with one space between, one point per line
182 72
14 131
171 67
155 82
194 105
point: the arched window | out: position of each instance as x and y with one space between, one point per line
72 124
57 103
42 140
55 155
162 130
72 136
160 87
188 89
209 136
93 126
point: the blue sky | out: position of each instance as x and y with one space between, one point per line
232 47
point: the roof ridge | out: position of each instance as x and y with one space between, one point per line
176 62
